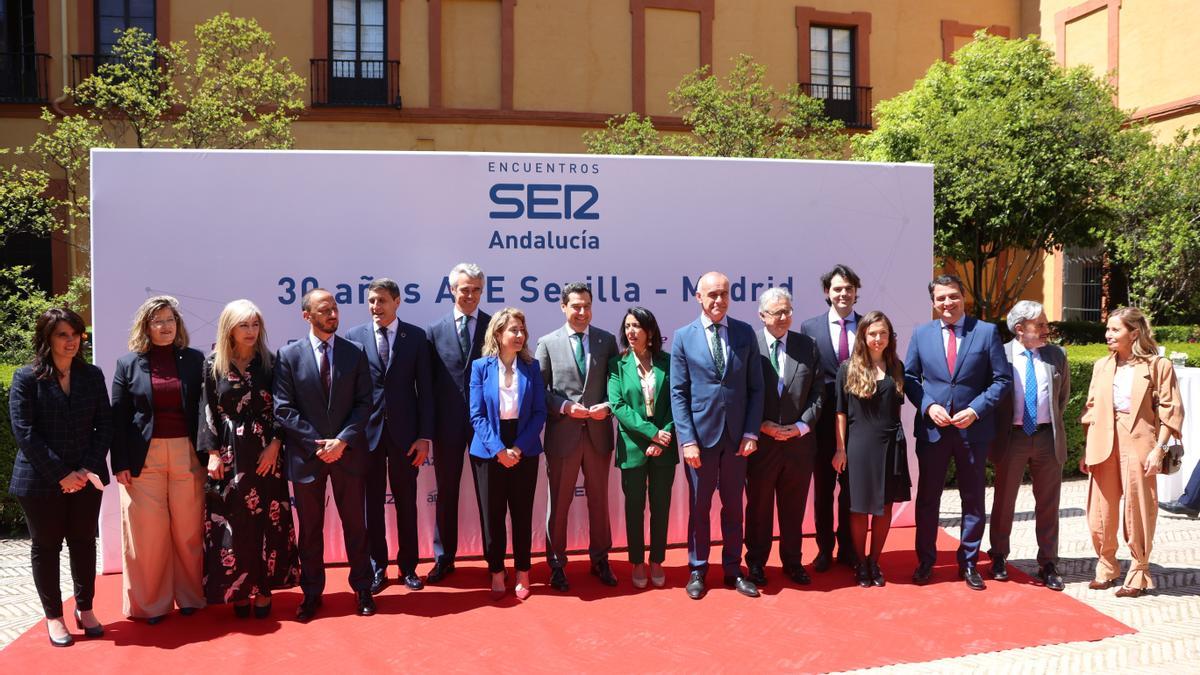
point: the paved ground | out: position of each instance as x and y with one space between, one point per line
1167 621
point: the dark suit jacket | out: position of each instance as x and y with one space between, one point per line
817 328
55 434
1054 359
133 405
306 415
403 395
556 358
981 377
635 431
803 385
452 380
485 408
707 409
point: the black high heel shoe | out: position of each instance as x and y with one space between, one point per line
876 575
90 631
862 574
263 611
64 641
242 611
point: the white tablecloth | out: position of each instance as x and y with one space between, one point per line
1171 487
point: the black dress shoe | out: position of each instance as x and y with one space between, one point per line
797 574
379 583
757 575
1050 578
602 571
558 580
413 582
262 611
695 585
187 611
742 585
242 611
89 631
366 603
971 575
999 569
923 573
862 575
1179 509
439 572
308 608
876 574
822 562
155 620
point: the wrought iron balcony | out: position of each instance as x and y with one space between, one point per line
851 105
23 78
354 82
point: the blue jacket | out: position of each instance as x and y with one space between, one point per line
706 409
485 407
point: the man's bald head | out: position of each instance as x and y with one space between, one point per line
713 295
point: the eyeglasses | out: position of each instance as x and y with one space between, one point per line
162 323
781 314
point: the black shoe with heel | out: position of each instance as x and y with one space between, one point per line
90 631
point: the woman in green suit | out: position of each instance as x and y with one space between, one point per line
639 394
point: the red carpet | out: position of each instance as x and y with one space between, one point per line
831 625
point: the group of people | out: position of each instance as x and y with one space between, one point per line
203 448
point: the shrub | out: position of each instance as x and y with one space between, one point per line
12 519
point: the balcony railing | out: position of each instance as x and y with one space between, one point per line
354 82
23 78
851 105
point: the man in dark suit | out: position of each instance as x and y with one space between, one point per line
1030 432
955 374
834 332
455 341
399 429
781 470
717 403
322 401
579 434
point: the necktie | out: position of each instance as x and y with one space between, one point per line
385 352
718 352
464 336
580 362
843 342
1029 420
775 355
326 369
951 350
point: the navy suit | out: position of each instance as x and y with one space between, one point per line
982 375
716 413
306 415
401 412
452 426
824 477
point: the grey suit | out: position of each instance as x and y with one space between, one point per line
572 444
1044 452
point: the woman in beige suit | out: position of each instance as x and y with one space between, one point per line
1133 409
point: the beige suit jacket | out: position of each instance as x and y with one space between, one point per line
1099 419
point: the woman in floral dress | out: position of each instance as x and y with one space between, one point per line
249 535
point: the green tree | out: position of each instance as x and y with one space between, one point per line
1157 237
1025 156
742 116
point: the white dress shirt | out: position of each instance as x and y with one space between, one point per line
835 331
315 343
1043 387
510 401
722 335
958 336
472 325
391 336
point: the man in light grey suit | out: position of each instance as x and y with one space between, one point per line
1030 431
579 434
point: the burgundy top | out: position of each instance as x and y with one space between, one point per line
169 421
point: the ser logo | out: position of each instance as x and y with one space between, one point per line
544 201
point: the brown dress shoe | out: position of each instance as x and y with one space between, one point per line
1127 592
1097 585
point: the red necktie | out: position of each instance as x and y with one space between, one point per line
951 350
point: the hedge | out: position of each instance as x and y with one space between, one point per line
12 520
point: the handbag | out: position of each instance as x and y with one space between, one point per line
1172 459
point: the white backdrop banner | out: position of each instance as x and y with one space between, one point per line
213 226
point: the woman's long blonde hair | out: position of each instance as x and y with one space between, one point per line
233 314
139 331
860 375
1144 346
491 341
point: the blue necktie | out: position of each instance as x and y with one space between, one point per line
1029 420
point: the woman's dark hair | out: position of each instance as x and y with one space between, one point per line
43 360
646 319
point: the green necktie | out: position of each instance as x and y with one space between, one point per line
718 352
775 355
580 361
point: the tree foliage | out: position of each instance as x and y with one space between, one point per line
1025 155
1157 239
741 116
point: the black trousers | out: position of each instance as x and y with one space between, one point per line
777 475
52 519
310 507
447 470
390 464
503 491
825 479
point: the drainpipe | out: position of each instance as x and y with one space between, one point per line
56 104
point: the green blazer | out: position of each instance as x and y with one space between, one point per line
635 432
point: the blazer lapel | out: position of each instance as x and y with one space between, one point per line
967 338
372 345
143 372
593 349
630 366
792 364
523 389
1141 385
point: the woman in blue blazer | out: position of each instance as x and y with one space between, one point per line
508 411
62 424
